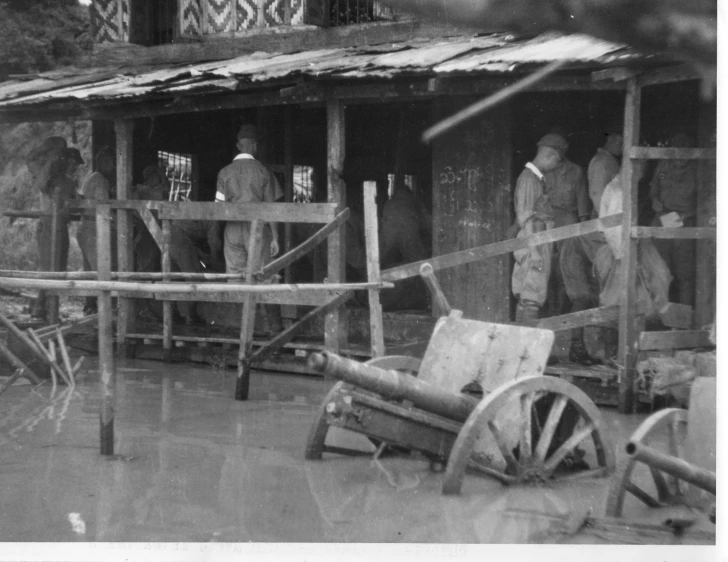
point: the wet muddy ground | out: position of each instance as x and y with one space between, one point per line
194 465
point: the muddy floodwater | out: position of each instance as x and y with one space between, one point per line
194 465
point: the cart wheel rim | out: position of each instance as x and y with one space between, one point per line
537 458
622 484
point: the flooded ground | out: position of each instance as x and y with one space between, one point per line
194 465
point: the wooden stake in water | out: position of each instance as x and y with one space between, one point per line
106 342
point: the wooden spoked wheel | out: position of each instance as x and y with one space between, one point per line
549 421
316 443
665 431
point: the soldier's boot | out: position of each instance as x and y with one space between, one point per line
527 313
577 349
610 336
270 315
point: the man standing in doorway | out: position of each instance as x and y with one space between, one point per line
246 180
534 214
566 189
604 165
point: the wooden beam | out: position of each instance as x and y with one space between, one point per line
675 339
152 226
266 212
287 335
668 75
336 331
615 74
187 288
247 320
591 317
371 237
124 230
661 153
107 365
628 285
302 249
167 311
297 298
502 247
680 233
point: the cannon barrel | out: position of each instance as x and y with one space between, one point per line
700 477
392 385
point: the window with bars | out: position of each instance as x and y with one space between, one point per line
302 184
409 181
334 13
180 174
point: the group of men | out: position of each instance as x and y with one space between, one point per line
53 167
553 192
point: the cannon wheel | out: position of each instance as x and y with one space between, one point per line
316 443
538 458
668 488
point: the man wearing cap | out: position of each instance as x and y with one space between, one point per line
566 190
578 254
534 214
604 165
60 188
246 180
673 191
98 187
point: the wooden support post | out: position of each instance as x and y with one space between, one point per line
706 262
288 311
247 321
125 236
628 338
107 367
167 305
52 301
336 329
371 229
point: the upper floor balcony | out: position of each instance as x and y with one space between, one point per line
158 22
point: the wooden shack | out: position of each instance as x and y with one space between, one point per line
348 99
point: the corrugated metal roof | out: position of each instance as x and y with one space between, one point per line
498 53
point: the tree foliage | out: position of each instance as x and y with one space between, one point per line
39 35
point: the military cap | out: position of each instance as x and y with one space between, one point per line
557 142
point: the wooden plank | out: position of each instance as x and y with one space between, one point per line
166 305
302 249
371 236
680 233
591 317
614 74
628 286
662 153
675 339
152 226
124 130
52 301
503 247
187 288
267 212
287 335
669 75
107 364
471 215
290 298
335 330
247 321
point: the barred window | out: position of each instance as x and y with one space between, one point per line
179 171
409 181
302 184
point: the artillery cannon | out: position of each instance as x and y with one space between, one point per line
526 428
670 459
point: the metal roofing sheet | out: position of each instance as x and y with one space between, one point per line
497 53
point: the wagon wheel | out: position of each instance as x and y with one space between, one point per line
665 489
316 442
541 447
